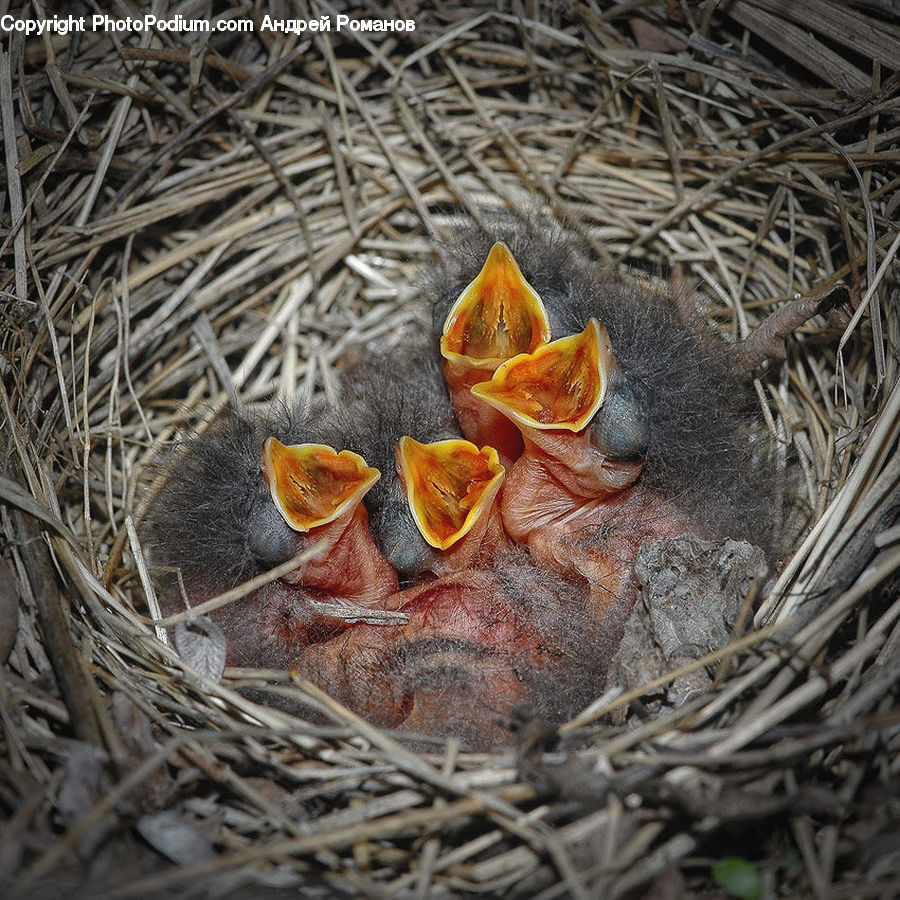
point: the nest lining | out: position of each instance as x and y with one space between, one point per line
191 238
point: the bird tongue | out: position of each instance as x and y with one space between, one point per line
496 317
560 385
449 485
312 484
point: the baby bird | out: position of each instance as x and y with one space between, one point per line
581 510
257 490
496 316
675 397
435 508
250 493
636 424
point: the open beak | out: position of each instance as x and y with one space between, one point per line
313 484
560 385
450 485
499 315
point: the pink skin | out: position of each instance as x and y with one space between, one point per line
584 515
479 643
265 628
349 565
460 666
580 512
481 424
455 668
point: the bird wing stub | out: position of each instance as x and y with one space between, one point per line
560 385
313 484
497 316
449 485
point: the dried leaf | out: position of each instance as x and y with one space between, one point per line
174 837
202 646
694 589
691 593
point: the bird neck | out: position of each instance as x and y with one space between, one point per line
350 566
480 423
571 461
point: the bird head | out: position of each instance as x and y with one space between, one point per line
318 493
573 405
312 484
496 316
450 486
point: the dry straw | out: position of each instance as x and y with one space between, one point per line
192 220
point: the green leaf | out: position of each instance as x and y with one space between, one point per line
737 877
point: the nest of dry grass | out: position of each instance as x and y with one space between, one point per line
193 219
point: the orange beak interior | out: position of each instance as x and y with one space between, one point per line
560 385
497 316
313 484
449 486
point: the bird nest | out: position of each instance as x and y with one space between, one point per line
194 220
